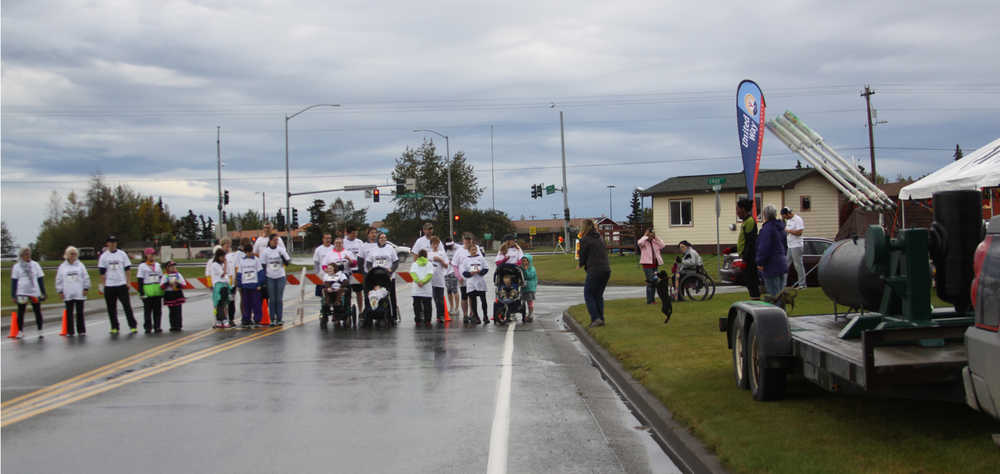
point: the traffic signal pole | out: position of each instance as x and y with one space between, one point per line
562 137
218 164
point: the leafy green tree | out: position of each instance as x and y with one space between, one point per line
8 244
248 221
188 227
207 228
431 174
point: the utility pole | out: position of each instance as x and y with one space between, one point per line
562 138
867 94
493 176
218 157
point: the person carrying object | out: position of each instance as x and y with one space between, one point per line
650 258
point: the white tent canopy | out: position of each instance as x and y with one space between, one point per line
974 171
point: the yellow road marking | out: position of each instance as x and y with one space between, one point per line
86 392
105 369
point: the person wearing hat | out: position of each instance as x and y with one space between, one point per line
510 253
794 227
150 276
114 266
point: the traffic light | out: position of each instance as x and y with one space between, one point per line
400 187
224 220
534 192
280 218
225 197
456 218
375 195
295 218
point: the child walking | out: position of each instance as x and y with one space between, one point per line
530 285
150 275
474 269
422 272
173 296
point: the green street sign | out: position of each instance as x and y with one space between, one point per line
411 196
488 236
550 189
716 180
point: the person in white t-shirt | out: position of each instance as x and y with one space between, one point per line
72 283
27 286
794 227
473 269
384 256
353 244
233 258
275 258
115 267
438 258
265 239
150 277
424 242
319 255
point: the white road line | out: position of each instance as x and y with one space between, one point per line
500 434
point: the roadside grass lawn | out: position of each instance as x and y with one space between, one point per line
95 280
688 367
625 269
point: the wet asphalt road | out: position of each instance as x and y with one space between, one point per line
300 399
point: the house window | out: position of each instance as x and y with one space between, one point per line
805 203
680 212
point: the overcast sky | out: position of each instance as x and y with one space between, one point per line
135 90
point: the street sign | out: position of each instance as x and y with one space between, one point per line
487 236
550 189
532 230
411 196
716 187
715 180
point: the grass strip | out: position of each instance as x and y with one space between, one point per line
625 269
687 366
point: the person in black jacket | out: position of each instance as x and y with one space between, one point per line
594 259
747 246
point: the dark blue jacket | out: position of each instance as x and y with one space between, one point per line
772 245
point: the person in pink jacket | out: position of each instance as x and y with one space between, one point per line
649 258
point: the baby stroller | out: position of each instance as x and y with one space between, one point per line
378 306
337 305
509 281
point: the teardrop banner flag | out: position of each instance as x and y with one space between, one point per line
750 125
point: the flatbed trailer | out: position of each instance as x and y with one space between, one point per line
768 346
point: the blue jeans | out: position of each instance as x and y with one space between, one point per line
774 285
650 289
593 293
275 295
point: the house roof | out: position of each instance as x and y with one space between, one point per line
766 179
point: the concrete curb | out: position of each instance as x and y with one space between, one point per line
684 449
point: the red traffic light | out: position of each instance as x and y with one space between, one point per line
456 217
375 194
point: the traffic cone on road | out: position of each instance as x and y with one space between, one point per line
65 330
14 329
447 317
266 320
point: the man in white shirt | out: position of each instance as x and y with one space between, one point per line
424 242
794 227
319 256
354 244
114 266
261 241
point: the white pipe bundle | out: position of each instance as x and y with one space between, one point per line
847 179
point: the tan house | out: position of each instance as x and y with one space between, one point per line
684 206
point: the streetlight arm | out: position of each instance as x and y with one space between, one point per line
289 117
432 131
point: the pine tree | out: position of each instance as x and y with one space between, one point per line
958 152
636 216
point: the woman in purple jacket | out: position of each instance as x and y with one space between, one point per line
649 250
771 249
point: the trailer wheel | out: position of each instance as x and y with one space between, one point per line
740 352
765 383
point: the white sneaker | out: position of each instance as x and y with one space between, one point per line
20 335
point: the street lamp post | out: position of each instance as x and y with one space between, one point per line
611 212
263 205
447 150
288 191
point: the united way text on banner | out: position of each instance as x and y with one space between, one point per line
750 125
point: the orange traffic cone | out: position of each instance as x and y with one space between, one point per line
14 329
65 331
266 320
447 317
